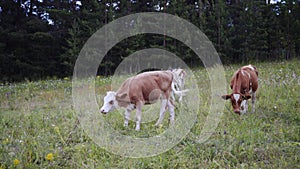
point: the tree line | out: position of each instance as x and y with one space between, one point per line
42 38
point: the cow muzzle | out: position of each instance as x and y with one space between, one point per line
237 111
103 111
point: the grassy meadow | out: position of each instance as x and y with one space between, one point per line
39 127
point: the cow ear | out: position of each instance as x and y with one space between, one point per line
227 96
246 96
122 96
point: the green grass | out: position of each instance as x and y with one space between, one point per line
37 118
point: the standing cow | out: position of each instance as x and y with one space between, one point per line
244 84
179 76
144 88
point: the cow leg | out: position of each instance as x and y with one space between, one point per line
172 112
180 98
127 117
138 115
172 95
253 101
180 88
162 111
246 106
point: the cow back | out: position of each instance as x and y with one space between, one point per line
253 78
145 87
244 80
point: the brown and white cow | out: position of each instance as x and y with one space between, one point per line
144 88
244 84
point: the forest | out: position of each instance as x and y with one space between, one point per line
41 39
45 116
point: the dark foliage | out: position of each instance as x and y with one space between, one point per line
41 40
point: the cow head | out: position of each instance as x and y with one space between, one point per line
110 102
238 101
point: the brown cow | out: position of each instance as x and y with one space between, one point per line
144 88
244 83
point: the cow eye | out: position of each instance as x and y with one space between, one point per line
111 102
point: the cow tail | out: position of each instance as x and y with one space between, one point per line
177 92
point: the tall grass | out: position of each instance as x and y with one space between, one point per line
37 120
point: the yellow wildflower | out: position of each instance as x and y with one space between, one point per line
5 142
56 129
49 157
66 78
16 162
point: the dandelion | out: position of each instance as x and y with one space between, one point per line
16 162
49 157
56 129
5 141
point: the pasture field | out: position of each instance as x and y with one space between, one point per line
39 128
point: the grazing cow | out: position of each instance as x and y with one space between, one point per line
244 84
144 88
178 81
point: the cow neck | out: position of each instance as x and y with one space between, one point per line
116 104
123 101
237 82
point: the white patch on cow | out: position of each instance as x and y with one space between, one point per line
130 107
127 117
248 75
236 97
178 81
172 113
244 106
251 67
110 102
109 96
243 73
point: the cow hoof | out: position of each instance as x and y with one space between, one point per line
172 123
137 128
159 125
